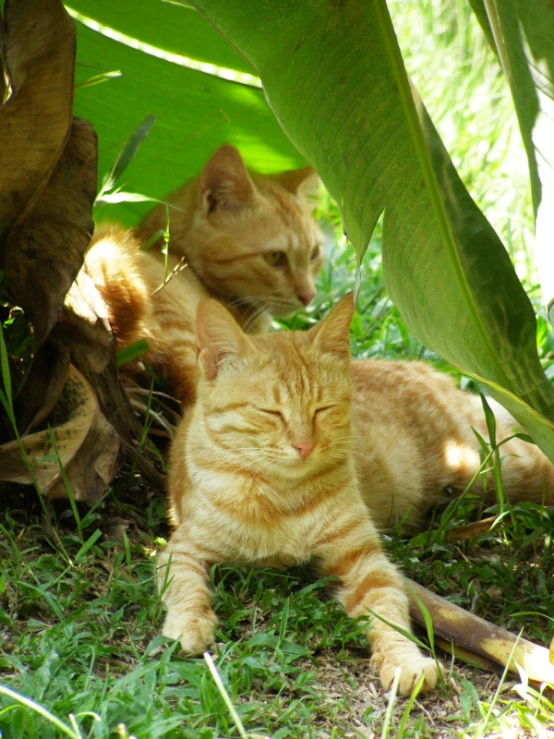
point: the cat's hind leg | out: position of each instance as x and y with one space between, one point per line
184 587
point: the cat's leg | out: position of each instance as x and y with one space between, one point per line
183 581
370 584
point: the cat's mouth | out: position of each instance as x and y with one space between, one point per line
276 305
283 307
296 464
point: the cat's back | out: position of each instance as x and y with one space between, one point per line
413 436
409 392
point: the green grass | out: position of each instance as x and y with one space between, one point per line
87 620
79 616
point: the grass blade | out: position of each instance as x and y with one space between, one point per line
23 700
126 155
225 695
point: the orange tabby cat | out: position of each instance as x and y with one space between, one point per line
261 473
247 239
413 443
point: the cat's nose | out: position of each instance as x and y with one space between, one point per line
306 298
304 448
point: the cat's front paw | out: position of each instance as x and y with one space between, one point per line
194 630
411 669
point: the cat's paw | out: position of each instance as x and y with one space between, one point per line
411 669
195 631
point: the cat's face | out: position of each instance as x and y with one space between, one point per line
279 404
260 244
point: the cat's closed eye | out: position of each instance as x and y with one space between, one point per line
271 412
276 258
322 410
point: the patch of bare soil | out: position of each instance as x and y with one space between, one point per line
450 711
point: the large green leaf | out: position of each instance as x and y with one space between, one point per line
171 26
195 111
344 100
522 34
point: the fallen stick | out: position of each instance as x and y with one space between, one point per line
478 638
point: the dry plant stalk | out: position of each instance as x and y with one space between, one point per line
478 638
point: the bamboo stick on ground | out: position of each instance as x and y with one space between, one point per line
475 636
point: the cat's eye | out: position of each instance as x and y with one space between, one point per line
276 258
315 253
271 412
324 408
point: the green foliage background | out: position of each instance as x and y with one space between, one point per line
195 111
335 80
80 616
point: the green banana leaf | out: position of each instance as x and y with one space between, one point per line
120 81
345 101
521 32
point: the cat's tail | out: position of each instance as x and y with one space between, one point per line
111 262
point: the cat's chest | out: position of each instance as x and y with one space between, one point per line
281 544
252 528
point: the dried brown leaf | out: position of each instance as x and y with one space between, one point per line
44 252
473 529
43 385
84 327
37 40
91 470
71 421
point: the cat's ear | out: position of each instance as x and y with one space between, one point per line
331 335
303 182
225 183
220 341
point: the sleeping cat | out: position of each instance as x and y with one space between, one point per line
261 473
246 239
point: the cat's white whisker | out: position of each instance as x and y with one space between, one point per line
254 315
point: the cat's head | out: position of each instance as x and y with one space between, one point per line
278 404
256 241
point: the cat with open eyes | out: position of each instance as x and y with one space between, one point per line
261 473
248 240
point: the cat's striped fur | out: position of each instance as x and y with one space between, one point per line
414 446
247 239
261 474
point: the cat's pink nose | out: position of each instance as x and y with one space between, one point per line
304 448
306 298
